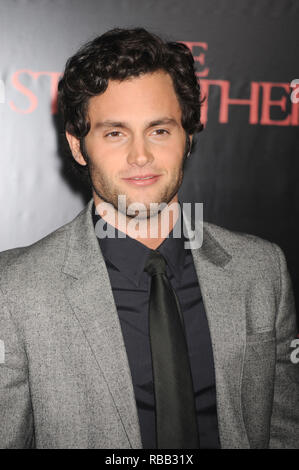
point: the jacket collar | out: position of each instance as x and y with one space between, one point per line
84 254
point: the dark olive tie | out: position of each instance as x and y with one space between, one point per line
176 423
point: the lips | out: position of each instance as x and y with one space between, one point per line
142 180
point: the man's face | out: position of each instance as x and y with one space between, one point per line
135 133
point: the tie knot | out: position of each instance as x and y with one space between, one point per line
155 263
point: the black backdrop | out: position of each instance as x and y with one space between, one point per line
245 164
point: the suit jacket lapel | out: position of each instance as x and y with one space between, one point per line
90 295
223 298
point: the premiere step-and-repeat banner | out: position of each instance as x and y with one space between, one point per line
245 166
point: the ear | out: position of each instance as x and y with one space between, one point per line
74 144
190 138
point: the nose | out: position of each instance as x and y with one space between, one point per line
139 154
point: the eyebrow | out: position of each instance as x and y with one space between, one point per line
156 122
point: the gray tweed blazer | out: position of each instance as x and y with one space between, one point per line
65 380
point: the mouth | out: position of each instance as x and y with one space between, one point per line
143 180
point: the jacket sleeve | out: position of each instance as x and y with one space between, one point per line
284 430
16 417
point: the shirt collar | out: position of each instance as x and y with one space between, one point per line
129 255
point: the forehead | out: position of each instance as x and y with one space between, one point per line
137 97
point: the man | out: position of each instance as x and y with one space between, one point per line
133 340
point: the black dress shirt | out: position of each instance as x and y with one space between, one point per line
125 260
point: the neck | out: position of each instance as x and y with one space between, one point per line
151 231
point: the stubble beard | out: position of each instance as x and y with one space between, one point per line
110 195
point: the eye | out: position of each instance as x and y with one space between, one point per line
113 134
161 131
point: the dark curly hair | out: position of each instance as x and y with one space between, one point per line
117 55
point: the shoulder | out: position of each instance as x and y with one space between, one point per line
41 258
235 241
